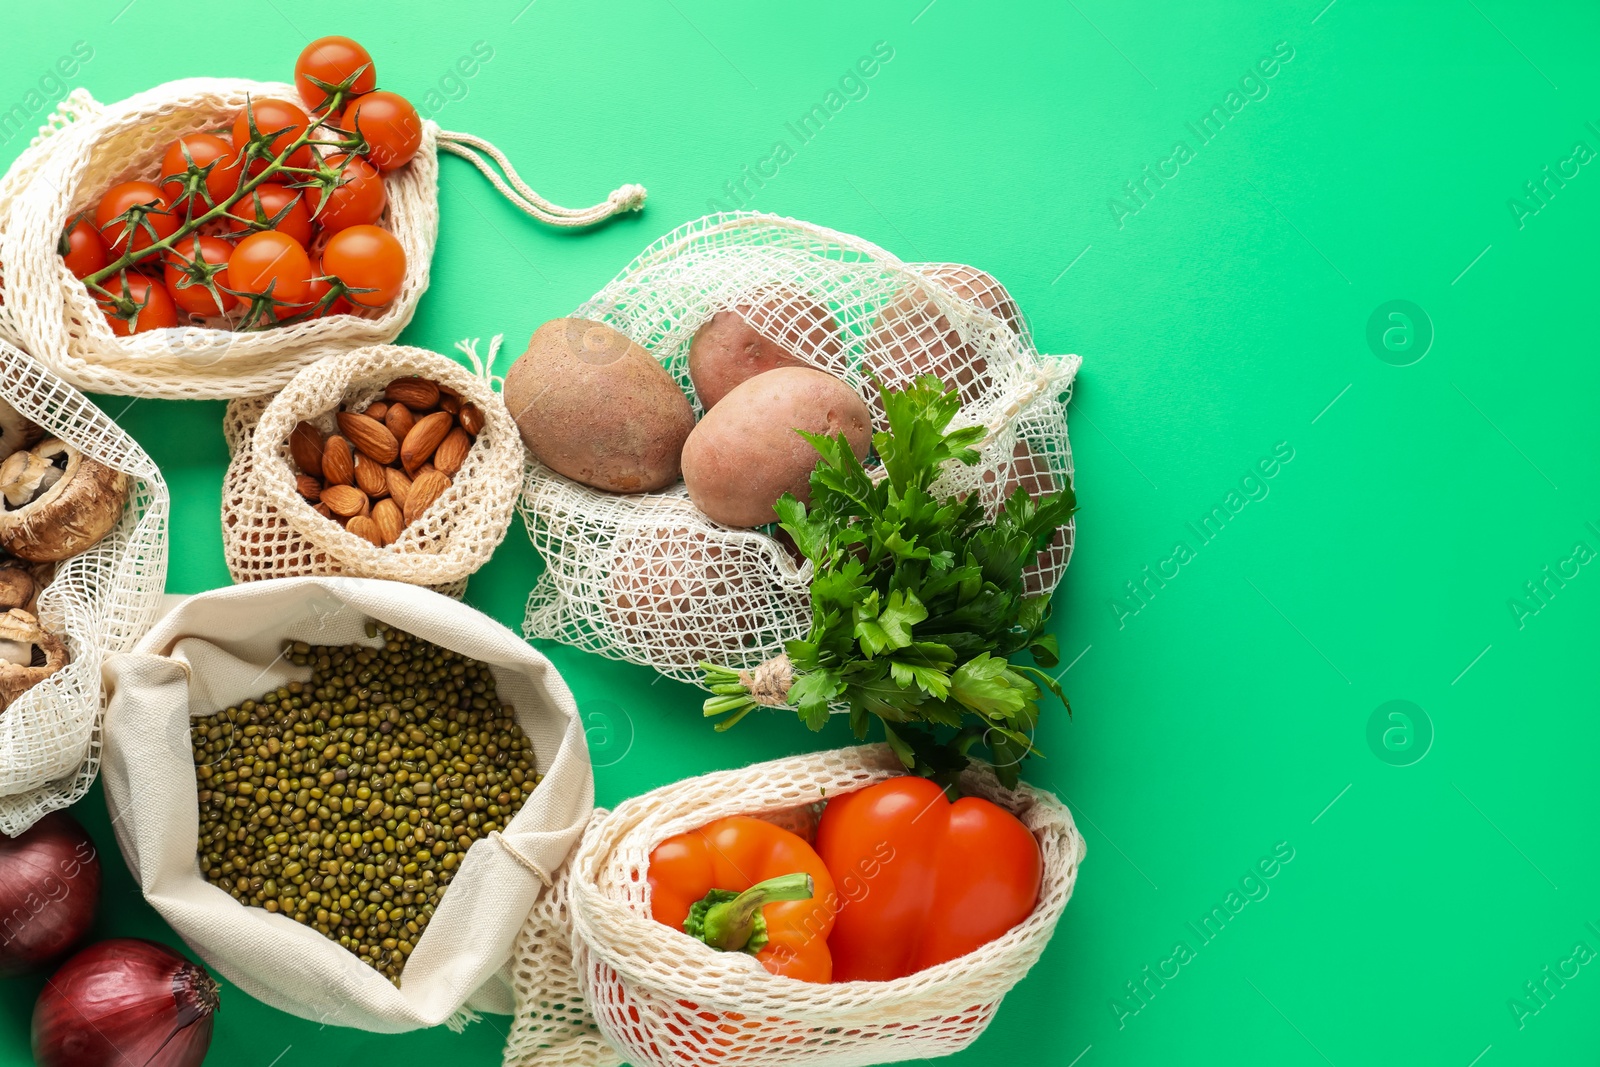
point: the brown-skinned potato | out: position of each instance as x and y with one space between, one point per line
912 337
596 407
764 333
744 453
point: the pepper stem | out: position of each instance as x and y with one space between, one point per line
732 922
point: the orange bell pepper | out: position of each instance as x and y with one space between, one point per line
744 885
922 880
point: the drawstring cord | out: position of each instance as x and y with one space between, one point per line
628 198
469 348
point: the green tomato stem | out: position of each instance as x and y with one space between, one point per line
274 167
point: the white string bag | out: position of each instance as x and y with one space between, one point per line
224 646
270 531
648 578
100 602
85 147
642 992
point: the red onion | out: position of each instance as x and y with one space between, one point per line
125 1001
49 884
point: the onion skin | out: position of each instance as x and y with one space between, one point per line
49 885
125 1001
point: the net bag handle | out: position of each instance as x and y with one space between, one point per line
628 197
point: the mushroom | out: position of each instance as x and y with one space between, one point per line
55 502
17 587
16 431
28 654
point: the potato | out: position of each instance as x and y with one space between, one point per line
744 453
669 591
734 346
596 407
911 336
656 583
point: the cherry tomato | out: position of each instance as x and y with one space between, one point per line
265 201
82 249
118 199
390 124
157 311
358 199
365 257
319 289
271 260
195 297
272 116
332 60
204 148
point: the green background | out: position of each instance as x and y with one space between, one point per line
1226 317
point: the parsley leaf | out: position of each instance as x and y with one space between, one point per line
916 598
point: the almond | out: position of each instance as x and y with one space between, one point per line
305 445
370 477
362 526
471 417
452 404
445 391
452 451
338 466
399 420
376 410
424 491
370 437
308 487
323 510
399 485
390 520
345 500
418 394
424 437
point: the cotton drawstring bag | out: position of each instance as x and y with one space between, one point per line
85 147
100 602
641 992
648 578
270 531
221 647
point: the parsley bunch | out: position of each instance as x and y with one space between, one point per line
916 600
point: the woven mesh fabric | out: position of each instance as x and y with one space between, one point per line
660 999
100 601
270 531
83 149
650 579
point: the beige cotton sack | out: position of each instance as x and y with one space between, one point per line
224 646
270 531
647 577
642 992
100 601
85 147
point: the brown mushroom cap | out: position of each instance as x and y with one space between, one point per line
16 431
28 654
55 502
17 587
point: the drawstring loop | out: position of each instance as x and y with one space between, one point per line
628 198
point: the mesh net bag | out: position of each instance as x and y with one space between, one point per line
270 531
85 147
656 998
650 579
99 601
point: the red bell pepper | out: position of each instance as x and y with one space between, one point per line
921 880
744 885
